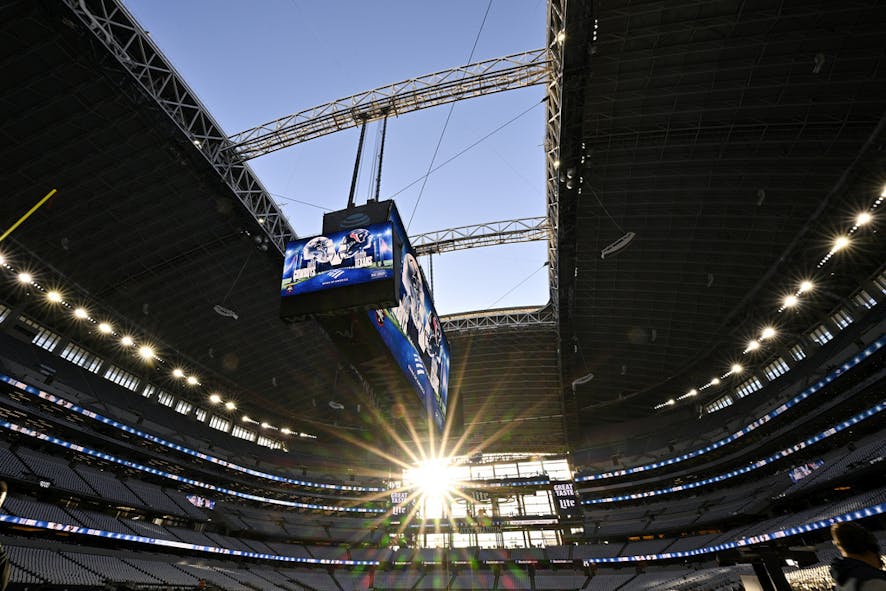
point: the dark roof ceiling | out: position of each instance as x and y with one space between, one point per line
143 224
708 131
702 127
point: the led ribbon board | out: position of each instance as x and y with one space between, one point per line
750 540
866 512
779 455
176 477
100 533
58 401
819 385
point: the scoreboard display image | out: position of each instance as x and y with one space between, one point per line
348 257
362 282
338 270
413 333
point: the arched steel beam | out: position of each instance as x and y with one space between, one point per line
496 75
478 235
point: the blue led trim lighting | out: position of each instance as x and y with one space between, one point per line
740 543
186 450
749 467
870 350
468 484
87 531
136 466
750 541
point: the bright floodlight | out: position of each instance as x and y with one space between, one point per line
146 352
230 405
736 368
105 328
178 373
863 218
753 346
715 382
54 297
768 333
433 478
214 398
192 380
265 426
81 313
806 286
246 419
285 431
840 243
25 277
127 341
692 392
790 301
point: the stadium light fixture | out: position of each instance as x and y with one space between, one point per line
736 368
193 381
178 373
752 346
127 341
105 328
805 286
54 297
840 243
230 405
81 313
265 426
790 301
25 278
767 333
863 218
146 352
285 430
715 381
214 398
246 419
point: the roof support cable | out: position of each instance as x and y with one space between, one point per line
421 191
381 155
357 165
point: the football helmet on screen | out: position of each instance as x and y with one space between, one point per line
353 242
320 249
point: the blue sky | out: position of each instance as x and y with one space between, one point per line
250 62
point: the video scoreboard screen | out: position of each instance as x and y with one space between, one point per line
339 270
413 333
363 264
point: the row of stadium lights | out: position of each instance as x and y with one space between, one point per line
791 300
145 351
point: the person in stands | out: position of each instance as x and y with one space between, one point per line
860 568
